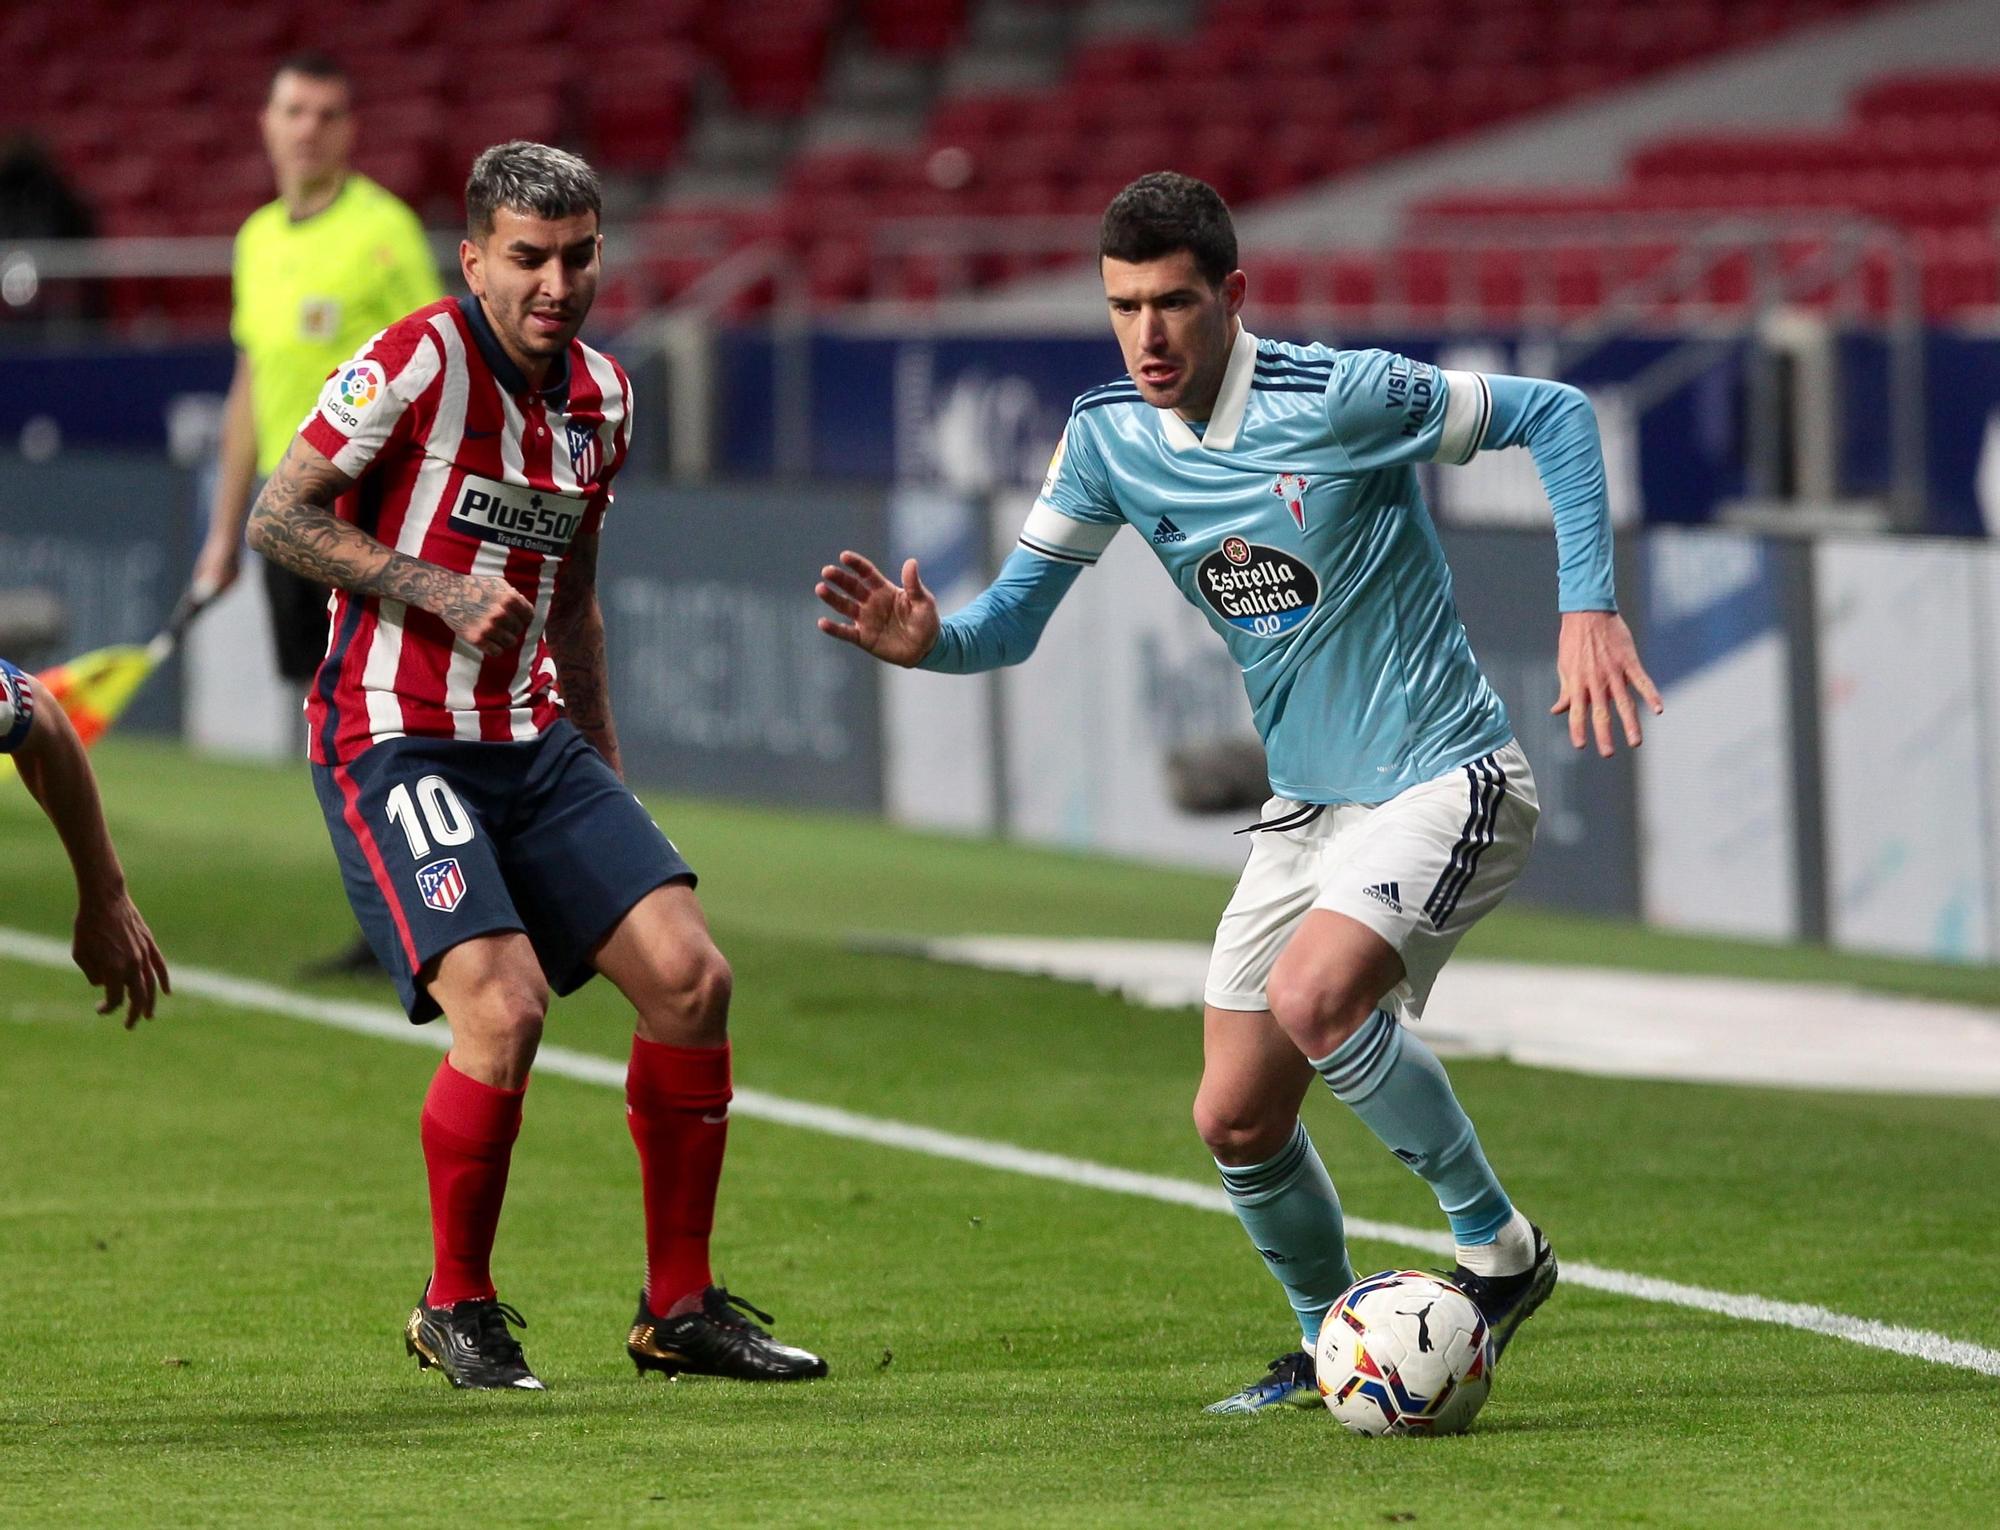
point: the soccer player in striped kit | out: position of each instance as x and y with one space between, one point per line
451 486
1277 483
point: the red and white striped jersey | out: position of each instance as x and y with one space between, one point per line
460 462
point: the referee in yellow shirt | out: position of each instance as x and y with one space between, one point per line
316 272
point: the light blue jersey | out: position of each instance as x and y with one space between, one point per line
1292 519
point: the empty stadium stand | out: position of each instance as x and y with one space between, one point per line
1912 177
150 109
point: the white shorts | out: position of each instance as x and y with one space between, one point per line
1419 870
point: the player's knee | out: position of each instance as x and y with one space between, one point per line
710 988
509 1013
688 1001
1316 1014
1235 1133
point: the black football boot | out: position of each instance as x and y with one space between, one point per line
716 1339
1508 1301
470 1343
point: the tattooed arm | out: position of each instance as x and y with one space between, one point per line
293 525
575 634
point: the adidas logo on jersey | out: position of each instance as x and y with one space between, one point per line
1167 532
1390 893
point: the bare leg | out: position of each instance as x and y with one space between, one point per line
492 992
1331 977
662 959
1253 1080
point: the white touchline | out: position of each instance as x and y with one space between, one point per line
391 1025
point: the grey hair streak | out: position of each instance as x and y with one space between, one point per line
529 178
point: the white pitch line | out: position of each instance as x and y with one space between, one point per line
391 1025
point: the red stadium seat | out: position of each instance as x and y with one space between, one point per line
974 120
919 28
773 52
478 125
1116 61
406 169
838 271
637 116
1352 282
1277 283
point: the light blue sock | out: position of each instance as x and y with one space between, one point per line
1395 1083
1289 1208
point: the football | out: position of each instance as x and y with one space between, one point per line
1404 1353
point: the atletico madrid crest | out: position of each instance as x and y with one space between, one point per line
586 452
442 885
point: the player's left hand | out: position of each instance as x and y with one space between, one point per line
117 953
1599 667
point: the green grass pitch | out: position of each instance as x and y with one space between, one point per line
213 1228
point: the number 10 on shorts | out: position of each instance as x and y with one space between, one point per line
442 813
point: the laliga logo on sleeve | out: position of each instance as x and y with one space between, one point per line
359 384
351 390
1291 488
442 885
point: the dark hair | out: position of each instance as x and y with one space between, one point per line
1166 212
311 63
530 178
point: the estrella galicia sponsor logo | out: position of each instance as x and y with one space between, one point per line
350 391
1167 532
1411 386
1260 590
513 516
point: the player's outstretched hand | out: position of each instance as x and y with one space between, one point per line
896 622
117 953
485 610
1599 667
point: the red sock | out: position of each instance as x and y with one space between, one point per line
469 1130
677 1104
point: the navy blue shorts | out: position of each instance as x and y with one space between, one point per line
444 839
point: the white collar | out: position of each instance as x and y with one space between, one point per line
1226 418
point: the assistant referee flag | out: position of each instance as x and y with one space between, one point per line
309 293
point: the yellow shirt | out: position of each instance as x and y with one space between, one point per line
308 294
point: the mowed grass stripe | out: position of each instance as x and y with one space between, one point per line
391 1025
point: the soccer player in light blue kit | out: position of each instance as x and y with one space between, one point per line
1278 485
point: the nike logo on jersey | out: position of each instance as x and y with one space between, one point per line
1167 532
1291 488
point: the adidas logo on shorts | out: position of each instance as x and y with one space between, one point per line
1390 893
1167 532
